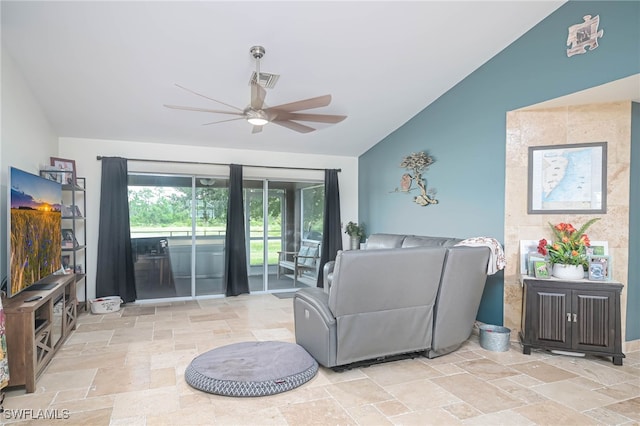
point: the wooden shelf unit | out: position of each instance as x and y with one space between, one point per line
36 330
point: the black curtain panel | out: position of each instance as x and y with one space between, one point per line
237 280
331 234
114 273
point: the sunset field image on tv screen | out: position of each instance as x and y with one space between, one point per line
34 245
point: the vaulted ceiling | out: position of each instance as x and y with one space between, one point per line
104 69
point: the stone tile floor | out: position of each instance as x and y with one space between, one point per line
127 368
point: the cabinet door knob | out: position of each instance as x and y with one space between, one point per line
568 316
575 317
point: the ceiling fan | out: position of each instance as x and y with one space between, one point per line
258 114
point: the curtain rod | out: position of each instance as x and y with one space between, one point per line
145 160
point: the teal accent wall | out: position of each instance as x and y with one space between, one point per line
633 284
465 131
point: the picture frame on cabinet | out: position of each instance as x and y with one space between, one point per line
599 268
598 248
533 259
541 269
528 249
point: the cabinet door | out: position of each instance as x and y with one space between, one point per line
594 320
552 321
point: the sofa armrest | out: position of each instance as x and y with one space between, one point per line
315 325
319 300
327 274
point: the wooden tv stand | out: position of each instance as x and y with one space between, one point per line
36 330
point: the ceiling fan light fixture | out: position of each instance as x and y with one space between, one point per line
257 118
257 121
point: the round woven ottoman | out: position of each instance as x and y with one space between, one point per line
251 369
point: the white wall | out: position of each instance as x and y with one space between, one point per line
27 138
84 152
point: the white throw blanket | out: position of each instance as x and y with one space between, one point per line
497 260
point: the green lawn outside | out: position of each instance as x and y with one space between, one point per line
257 247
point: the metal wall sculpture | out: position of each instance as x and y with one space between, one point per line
416 164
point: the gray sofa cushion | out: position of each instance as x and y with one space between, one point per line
418 241
384 241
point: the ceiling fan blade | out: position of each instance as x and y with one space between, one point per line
295 126
206 97
318 118
257 96
311 103
215 111
223 121
256 129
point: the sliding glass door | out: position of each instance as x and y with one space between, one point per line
292 222
211 199
264 216
160 211
178 229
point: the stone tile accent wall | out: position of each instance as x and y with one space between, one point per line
610 122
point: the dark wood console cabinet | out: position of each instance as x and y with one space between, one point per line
36 330
577 316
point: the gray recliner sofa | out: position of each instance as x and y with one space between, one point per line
403 294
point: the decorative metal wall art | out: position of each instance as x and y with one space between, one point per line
584 35
416 164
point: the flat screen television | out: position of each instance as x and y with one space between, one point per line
34 228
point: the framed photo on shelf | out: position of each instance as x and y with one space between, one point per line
51 173
528 249
69 239
599 268
567 179
533 259
598 248
541 269
66 211
66 262
67 168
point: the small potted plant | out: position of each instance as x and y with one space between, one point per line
356 232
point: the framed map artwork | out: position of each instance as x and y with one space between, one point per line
568 178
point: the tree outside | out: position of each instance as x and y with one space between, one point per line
165 210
